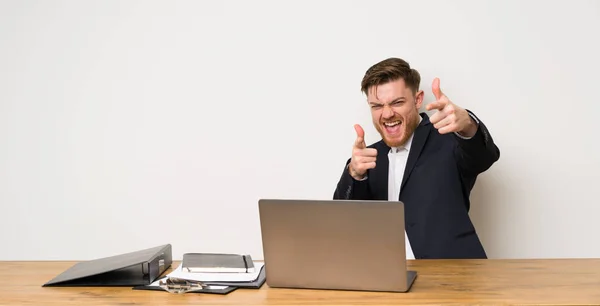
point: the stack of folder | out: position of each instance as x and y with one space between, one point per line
143 270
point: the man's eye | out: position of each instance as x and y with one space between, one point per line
375 106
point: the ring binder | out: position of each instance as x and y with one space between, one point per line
130 269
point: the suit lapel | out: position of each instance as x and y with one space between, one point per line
379 175
419 140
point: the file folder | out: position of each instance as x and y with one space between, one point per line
131 269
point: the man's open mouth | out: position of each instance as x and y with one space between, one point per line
392 127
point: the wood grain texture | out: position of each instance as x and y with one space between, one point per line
459 282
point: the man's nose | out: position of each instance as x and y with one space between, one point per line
388 112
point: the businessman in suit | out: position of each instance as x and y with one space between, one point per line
430 164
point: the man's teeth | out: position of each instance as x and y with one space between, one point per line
392 123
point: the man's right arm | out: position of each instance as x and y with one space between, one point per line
348 188
354 184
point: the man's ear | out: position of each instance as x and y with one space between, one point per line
419 98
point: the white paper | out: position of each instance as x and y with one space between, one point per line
218 277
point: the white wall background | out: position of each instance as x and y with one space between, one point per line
129 124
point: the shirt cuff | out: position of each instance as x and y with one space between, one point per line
362 179
465 137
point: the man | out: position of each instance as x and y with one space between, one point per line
430 164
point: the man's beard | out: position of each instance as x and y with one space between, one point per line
408 127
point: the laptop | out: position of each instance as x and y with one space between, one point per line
335 244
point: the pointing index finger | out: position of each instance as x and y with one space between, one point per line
439 105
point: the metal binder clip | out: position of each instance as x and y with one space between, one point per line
178 285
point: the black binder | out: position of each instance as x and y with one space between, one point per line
130 269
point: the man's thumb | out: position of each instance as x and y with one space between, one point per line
360 137
435 87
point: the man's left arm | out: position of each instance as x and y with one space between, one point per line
475 151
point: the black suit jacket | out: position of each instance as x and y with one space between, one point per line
440 172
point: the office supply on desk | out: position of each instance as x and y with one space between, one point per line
131 269
182 281
335 244
217 262
179 286
246 279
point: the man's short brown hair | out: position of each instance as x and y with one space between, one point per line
390 70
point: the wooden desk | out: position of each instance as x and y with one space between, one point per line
561 281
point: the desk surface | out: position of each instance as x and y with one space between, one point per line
541 281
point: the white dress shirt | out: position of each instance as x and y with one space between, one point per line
397 157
